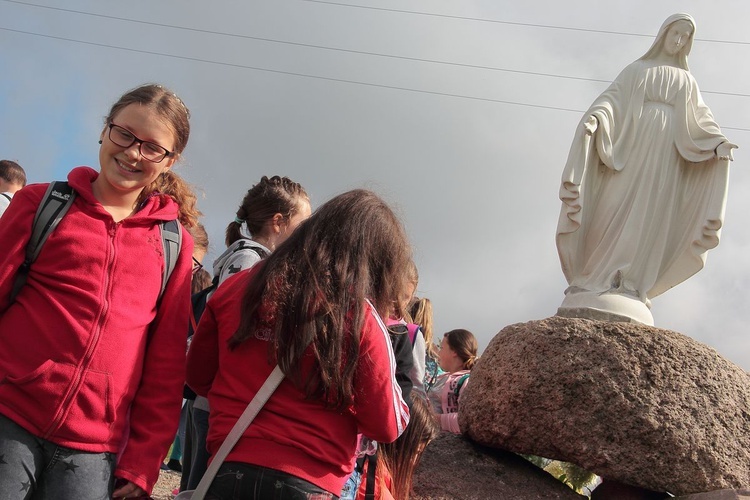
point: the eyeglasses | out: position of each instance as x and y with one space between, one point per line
197 266
149 151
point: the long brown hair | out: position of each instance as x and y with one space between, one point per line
177 116
402 456
311 291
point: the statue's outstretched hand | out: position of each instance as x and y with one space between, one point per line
591 124
724 151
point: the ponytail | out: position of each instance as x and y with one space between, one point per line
464 344
271 196
172 185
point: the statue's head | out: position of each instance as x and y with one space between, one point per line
675 39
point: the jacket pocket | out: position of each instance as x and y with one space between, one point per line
37 395
91 415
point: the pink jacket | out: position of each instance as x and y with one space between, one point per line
87 359
291 434
445 397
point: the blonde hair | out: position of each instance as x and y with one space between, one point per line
420 312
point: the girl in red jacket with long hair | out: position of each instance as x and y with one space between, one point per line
91 351
314 307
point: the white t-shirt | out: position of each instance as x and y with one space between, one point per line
4 202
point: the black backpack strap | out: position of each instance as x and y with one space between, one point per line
171 240
460 384
263 254
198 304
54 205
245 243
372 464
6 195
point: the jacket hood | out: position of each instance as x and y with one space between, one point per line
222 259
157 207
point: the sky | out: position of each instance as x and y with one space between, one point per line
459 114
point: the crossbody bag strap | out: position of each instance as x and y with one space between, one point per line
268 387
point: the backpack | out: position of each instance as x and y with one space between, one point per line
410 329
460 384
198 300
54 205
198 304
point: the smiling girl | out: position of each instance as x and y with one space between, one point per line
91 349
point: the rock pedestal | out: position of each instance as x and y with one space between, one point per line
632 403
454 468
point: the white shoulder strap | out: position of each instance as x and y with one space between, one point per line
268 387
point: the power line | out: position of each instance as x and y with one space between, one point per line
496 21
304 75
300 44
361 52
257 68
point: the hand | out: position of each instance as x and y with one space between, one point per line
724 151
128 490
591 124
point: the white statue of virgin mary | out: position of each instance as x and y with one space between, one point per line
644 187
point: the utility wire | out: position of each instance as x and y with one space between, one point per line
496 21
257 68
304 75
361 52
400 11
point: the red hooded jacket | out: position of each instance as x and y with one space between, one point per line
87 359
291 434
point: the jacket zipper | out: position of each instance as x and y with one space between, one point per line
78 376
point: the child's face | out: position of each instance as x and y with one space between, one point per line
447 356
123 169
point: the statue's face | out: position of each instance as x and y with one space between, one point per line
677 37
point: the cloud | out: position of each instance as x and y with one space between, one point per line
475 179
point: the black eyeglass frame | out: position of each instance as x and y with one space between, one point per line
197 266
140 142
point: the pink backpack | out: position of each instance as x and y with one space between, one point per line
411 328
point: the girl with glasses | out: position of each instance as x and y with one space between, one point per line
98 395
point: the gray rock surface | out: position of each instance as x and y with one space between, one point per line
632 403
718 495
455 468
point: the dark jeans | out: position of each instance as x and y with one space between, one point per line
195 455
34 468
238 481
187 446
